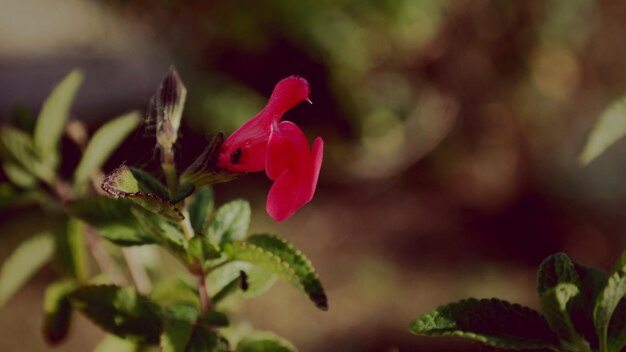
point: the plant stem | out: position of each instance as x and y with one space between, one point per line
205 302
185 225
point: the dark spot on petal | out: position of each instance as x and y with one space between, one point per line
235 156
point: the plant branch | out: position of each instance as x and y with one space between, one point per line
205 302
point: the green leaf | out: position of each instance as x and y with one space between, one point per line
205 340
57 310
53 115
617 328
263 341
277 255
178 328
149 183
202 249
120 311
609 298
230 223
592 282
554 304
113 343
259 280
491 321
112 218
610 127
18 175
71 249
16 146
554 270
240 283
175 290
23 263
184 191
104 141
200 209
162 232
122 184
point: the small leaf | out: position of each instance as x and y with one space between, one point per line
554 304
491 321
23 263
202 249
259 280
149 183
230 223
104 141
57 310
113 343
71 250
184 191
554 270
617 328
240 283
161 232
277 255
173 291
18 175
178 328
263 341
112 218
122 184
201 208
17 147
120 311
53 114
609 298
610 127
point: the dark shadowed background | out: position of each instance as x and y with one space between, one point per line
451 129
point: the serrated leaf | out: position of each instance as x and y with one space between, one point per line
230 223
259 280
104 141
609 298
610 127
53 114
57 310
556 269
554 304
122 184
148 183
112 218
277 255
16 146
71 249
491 321
617 328
162 232
264 341
23 263
200 208
120 311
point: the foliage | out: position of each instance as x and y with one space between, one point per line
139 210
583 309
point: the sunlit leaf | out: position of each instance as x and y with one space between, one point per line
57 310
230 223
609 299
104 141
54 114
264 341
23 263
491 321
122 184
277 255
239 283
120 311
258 279
554 305
610 127
18 175
16 146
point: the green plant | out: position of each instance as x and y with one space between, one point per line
138 215
582 310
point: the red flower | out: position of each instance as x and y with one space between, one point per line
281 149
244 150
293 167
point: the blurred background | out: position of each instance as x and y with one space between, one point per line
451 128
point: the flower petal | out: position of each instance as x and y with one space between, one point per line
294 168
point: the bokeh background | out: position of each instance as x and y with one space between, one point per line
451 128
